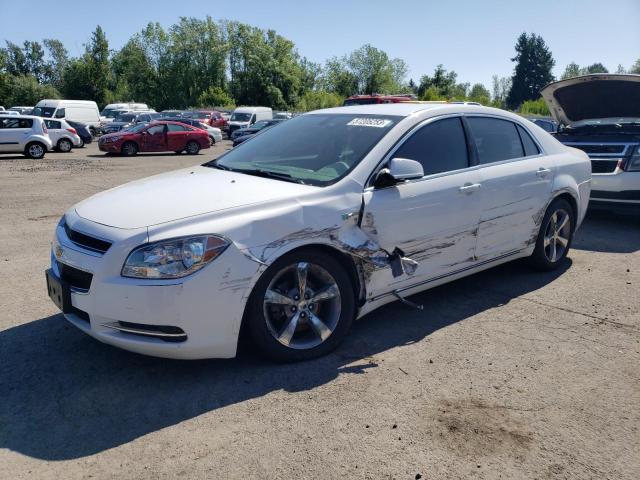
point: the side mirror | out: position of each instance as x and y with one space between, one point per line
398 170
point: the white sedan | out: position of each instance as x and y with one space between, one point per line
293 235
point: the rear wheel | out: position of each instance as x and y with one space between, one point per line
35 150
64 145
555 236
81 143
193 148
302 307
129 149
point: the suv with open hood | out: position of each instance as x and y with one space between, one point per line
600 114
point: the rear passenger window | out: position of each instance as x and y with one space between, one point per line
439 146
176 128
16 123
495 139
530 148
52 124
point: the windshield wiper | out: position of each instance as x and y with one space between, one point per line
258 172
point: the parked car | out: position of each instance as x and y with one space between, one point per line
22 110
243 117
293 235
126 120
110 111
83 132
63 136
546 123
208 117
156 137
215 134
84 111
600 115
24 134
376 99
282 115
243 134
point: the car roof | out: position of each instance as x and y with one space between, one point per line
403 109
8 115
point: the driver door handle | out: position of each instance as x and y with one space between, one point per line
543 172
470 187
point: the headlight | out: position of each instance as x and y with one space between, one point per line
634 161
174 258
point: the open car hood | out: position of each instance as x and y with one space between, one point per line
589 97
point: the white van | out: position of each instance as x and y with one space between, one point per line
108 113
84 111
242 117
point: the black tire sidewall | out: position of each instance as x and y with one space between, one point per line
28 153
255 322
189 150
125 151
62 141
539 258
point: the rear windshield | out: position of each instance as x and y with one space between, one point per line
44 111
316 149
360 101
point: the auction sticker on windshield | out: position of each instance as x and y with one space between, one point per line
369 122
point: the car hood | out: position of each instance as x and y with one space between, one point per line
180 194
590 97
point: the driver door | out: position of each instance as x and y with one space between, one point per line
433 220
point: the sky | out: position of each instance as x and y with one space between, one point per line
474 38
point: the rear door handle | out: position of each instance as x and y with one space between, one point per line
543 172
470 187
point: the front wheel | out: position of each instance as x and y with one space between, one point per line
64 145
301 308
193 148
129 149
555 236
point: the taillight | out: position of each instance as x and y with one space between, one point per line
44 127
72 130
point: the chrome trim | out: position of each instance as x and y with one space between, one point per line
139 331
79 291
623 152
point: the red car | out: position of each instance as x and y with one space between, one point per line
156 137
209 117
377 98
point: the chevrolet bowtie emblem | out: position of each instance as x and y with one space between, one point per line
59 251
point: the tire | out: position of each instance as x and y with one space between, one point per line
213 140
81 143
555 236
64 145
192 147
129 149
268 322
35 150
93 131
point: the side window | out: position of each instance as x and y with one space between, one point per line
155 130
176 128
439 146
144 118
495 139
60 113
52 124
530 148
16 123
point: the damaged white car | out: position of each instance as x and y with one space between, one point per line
304 228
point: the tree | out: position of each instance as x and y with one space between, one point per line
375 72
57 61
317 99
636 67
620 69
574 70
480 94
34 60
215 97
595 68
499 90
16 62
571 70
532 72
25 90
535 107
442 81
337 78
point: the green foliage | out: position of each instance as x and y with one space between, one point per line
499 91
636 67
215 97
574 70
25 90
480 94
534 63
317 99
535 107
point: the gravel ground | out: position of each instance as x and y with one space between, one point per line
505 374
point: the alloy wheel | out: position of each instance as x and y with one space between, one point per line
557 235
36 150
302 305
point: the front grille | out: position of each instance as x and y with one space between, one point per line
602 149
86 241
603 166
74 277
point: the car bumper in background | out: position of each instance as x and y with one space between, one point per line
617 190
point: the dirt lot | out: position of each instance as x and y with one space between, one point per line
506 374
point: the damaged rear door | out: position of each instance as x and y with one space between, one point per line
433 220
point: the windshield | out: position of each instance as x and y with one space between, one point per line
125 117
197 115
136 128
240 117
44 111
261 124
316 149
109 112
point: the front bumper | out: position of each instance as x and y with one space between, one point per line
616 189
112 147
207 306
